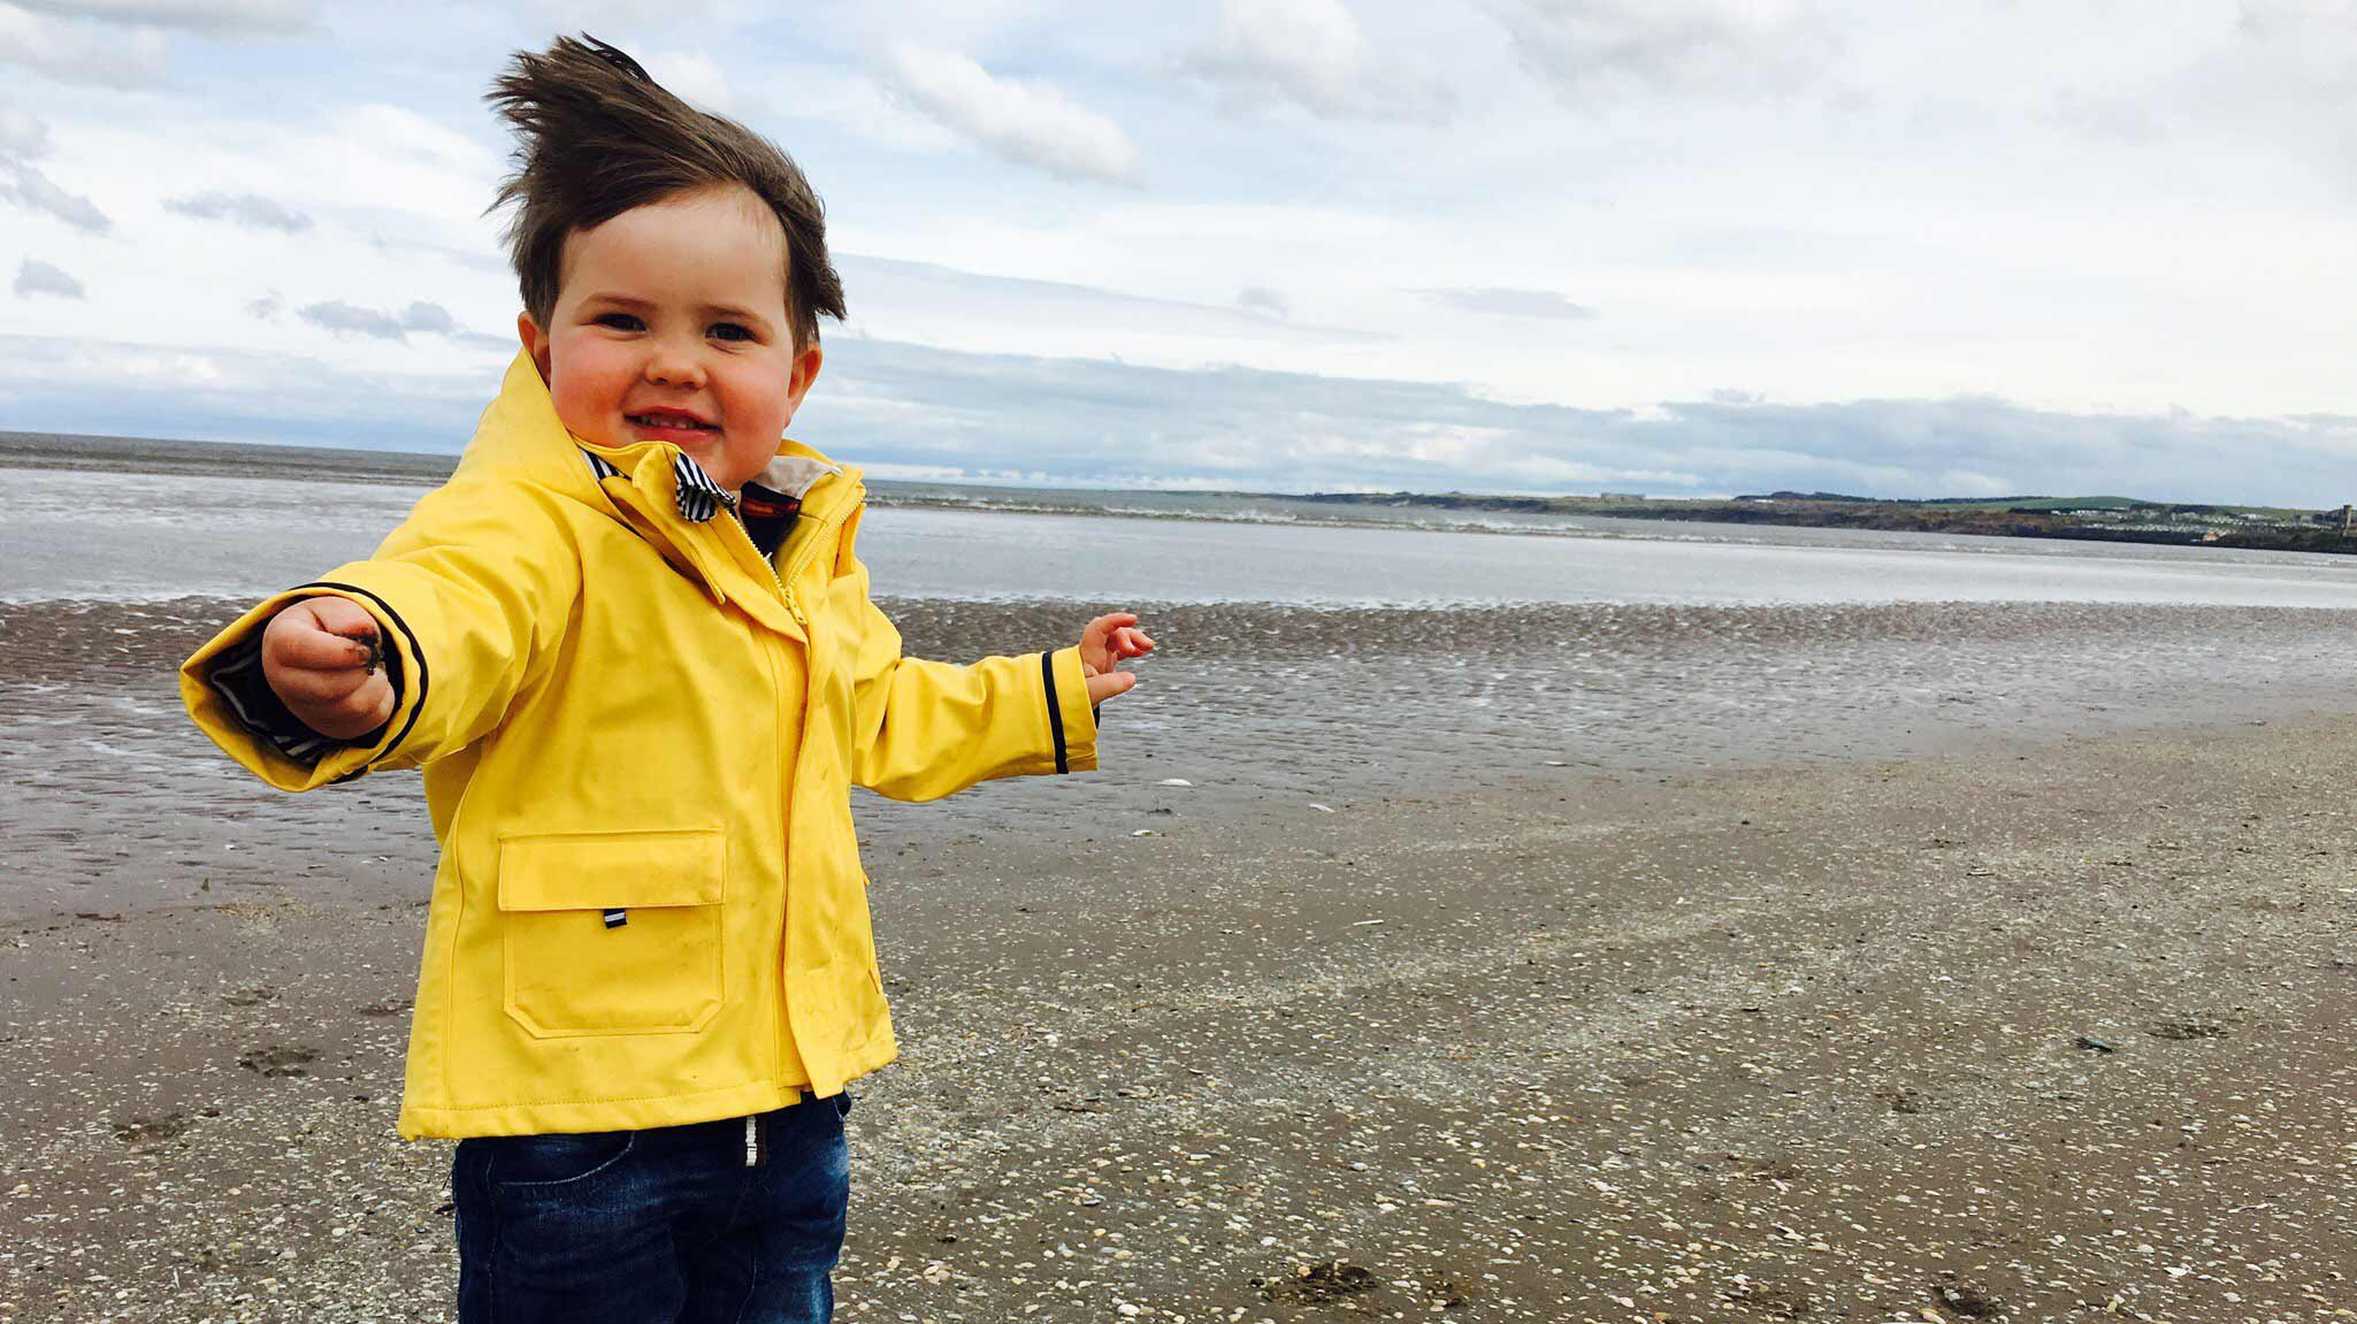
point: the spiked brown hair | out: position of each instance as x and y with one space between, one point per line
597 136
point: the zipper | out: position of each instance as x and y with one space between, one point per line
776 581
802 557
810 548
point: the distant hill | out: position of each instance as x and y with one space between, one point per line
2089 518
2007 503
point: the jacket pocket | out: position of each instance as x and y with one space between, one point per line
612 932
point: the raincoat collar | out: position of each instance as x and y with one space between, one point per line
520 431
662 494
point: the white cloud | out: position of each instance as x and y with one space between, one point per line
432 318
24 138
1504 301
1262 299
359 171
847 101
694 77
1313 49
952 308
606 18
1028 123
213 17
369 166
98 385
400 131
248 209
2281 82
374 323
25 185
72 52
1587 49
350 319
37 277
1314 54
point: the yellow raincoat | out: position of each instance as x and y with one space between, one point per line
639 738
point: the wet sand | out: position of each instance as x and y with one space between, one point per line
1957 1008
1264 709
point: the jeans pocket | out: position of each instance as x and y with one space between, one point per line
557 1159
842 1104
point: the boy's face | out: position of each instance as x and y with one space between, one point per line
671 325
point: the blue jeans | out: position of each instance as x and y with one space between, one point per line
663 1226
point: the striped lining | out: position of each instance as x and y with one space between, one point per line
236 676
699 497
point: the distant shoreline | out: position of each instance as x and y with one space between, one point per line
219 459
2077 519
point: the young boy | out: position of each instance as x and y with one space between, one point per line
632 648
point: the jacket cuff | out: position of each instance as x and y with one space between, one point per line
222 687
238 678
1072 724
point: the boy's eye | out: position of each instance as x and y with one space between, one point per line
620 322
730 331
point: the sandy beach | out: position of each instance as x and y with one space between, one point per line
2026 1025
1751 714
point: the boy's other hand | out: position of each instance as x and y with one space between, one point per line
320 657
1106 641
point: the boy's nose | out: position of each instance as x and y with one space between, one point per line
672 368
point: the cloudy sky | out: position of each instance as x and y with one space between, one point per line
1672 246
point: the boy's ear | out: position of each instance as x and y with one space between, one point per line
805 371
536 342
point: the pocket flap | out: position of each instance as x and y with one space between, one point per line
611 870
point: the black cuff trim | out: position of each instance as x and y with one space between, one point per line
418 704
1047 673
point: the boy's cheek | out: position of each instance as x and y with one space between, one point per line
579 409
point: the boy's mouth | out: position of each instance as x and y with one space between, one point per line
668 420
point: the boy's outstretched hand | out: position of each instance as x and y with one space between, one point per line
320 657
1106 641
